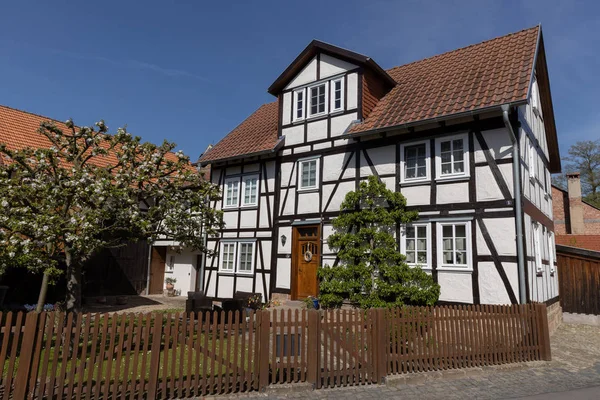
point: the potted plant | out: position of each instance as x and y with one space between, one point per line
170 283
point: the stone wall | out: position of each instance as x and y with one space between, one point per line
555 316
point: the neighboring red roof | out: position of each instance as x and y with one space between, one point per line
256 134
19 130
487 74
589 242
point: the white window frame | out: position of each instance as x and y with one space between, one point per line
403 178
309 97
532 161
239 257
222 251
317 174
170 266
236 180
332 97
468 267
427 225
295 105
438 157
537 247
243 191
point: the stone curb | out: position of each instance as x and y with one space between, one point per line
415 378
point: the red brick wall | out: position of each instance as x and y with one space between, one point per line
590 242
559 200
372 90
591 219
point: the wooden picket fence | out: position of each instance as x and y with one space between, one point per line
178 355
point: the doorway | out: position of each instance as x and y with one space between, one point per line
158 259
306 257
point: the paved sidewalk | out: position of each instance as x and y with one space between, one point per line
575 365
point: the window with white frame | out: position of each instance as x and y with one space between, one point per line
299 104
537 246
232 192
228 256
245 258
250 190
237 257
551 250
414 162
415 245
170 265
454 245
308 172
532 160
317 97
337 95
452 159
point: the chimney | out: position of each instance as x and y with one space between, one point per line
575 205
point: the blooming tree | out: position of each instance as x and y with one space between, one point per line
91 190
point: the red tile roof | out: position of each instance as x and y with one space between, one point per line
19 130
256 134
589 242
488 74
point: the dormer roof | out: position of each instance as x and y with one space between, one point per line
315 47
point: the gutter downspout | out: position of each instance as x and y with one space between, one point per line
518 204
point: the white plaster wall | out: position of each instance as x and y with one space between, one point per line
384 160
502 232
390 183
352 91
248 218
264 215
287 108
487 188
288 207
498 141
244 284
266 246
455 286
212 283
293 134
338 196
416 195
453 193
225 286
331 66
287 248
230 219
308 202
307 75
340 123
288 169
316 130
333 164
491 286
284 269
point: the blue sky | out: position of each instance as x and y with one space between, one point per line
190 71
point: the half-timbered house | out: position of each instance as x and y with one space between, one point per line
467 136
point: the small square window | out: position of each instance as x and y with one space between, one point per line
414 162
308 174
452 159
250 190
232 192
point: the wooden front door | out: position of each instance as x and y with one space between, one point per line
306 256
157 269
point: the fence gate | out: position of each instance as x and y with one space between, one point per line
579 280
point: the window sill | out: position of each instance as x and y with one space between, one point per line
243 274
309 190
419 182
453 178
455 269
249 207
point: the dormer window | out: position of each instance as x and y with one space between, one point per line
318 99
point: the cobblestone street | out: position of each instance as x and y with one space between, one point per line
575 364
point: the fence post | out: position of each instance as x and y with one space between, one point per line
264 332
544 332
27 344
155 356
314 348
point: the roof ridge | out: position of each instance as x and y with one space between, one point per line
31 113
463 48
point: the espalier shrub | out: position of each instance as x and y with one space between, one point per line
371 271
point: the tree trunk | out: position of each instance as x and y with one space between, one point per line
73 300
43 291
